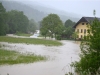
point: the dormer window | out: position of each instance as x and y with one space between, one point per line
82 23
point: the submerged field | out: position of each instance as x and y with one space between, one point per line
57 63
13 57
30 41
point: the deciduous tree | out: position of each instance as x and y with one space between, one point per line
51 24
69 28
69 23
3 17
17 21
32 27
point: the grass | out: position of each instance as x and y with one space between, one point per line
13 57
23 34
30 41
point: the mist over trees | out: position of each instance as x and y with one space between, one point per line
15 21
36 11
30 12
32 26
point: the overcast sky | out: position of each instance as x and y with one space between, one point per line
83 7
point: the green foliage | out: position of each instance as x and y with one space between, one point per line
58 37
68 33
30 41
69 23
59 30
74 35
69 30
32 27
44 31
90 48
13 57
2 20
51 25
17 21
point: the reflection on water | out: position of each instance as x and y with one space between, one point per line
58 64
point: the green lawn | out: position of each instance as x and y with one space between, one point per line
30 41
13 57
23 34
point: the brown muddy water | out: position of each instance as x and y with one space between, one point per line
59 58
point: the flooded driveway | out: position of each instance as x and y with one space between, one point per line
59 58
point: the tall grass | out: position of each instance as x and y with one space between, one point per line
30 41
13 57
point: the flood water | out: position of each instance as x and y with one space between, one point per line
59 58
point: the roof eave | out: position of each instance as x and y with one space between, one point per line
80 21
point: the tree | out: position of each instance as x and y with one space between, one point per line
3 26
74 35
69 29
32 27
17 21
69 23
44 31
67 33
51 23
58 32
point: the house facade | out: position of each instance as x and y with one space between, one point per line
81 26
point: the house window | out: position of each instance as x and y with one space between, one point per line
84 31
86 23
81 36
81 30
77 36
78 30
82 23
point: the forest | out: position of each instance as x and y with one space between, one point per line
15 21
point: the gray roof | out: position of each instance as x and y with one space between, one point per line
86 19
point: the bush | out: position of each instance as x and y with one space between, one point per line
58 37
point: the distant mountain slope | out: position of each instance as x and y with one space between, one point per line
47 9
31 13
35 11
